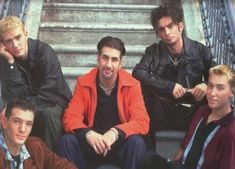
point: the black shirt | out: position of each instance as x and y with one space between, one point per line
17 159
201 135
106 115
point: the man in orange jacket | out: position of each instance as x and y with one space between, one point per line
106 116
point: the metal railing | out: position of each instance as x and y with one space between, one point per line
14 7
219 28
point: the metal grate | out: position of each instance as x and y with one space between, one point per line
219 28
14 7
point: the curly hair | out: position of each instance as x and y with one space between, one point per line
167 10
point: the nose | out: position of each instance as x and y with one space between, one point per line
213 91
167 31
22 127
109 63
15 43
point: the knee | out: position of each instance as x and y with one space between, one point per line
67 140
51 113
135 139
137 142
66 143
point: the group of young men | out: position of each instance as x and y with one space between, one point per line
111 110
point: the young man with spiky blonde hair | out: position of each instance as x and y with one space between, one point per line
30 69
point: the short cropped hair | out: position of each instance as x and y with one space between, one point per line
173 11
9 23
111 42
23 104
221 70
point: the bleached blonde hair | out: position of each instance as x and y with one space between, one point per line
221 70
9 23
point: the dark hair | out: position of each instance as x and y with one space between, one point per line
111 42
168 10
23 104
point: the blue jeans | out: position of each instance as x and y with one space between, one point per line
126 154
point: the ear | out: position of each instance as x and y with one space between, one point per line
98 58
3 119
26 32
181 26
121 63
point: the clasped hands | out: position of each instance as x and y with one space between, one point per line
199 91
102 143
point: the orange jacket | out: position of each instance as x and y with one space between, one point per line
132 112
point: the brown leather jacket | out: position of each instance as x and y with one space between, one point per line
41 157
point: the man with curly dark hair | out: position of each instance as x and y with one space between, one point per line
173 72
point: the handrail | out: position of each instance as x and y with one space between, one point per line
218 24
231 16
14 7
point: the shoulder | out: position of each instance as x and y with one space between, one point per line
88 78
33 143
126 79
35 43
3 161
152 48
33 140
194 45
40 49
228 133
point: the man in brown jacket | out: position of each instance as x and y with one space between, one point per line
17 150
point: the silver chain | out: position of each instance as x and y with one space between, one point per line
175 61
107 89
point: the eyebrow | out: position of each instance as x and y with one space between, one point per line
17 118
166 25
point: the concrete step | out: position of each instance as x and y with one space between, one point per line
142 2
72 73
168 142
76 55
88 33
110 13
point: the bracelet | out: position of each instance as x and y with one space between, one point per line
115 131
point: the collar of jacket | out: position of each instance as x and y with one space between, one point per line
33 51
190 52
124 78
224 121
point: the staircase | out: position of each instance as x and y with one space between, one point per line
74 27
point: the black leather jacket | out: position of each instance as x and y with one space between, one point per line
39 78
156 70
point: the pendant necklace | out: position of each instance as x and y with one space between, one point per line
175 61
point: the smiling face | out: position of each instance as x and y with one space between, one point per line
15 41
17 127
109 62
218 92
168 31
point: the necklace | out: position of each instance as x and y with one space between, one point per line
176 60
107 89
